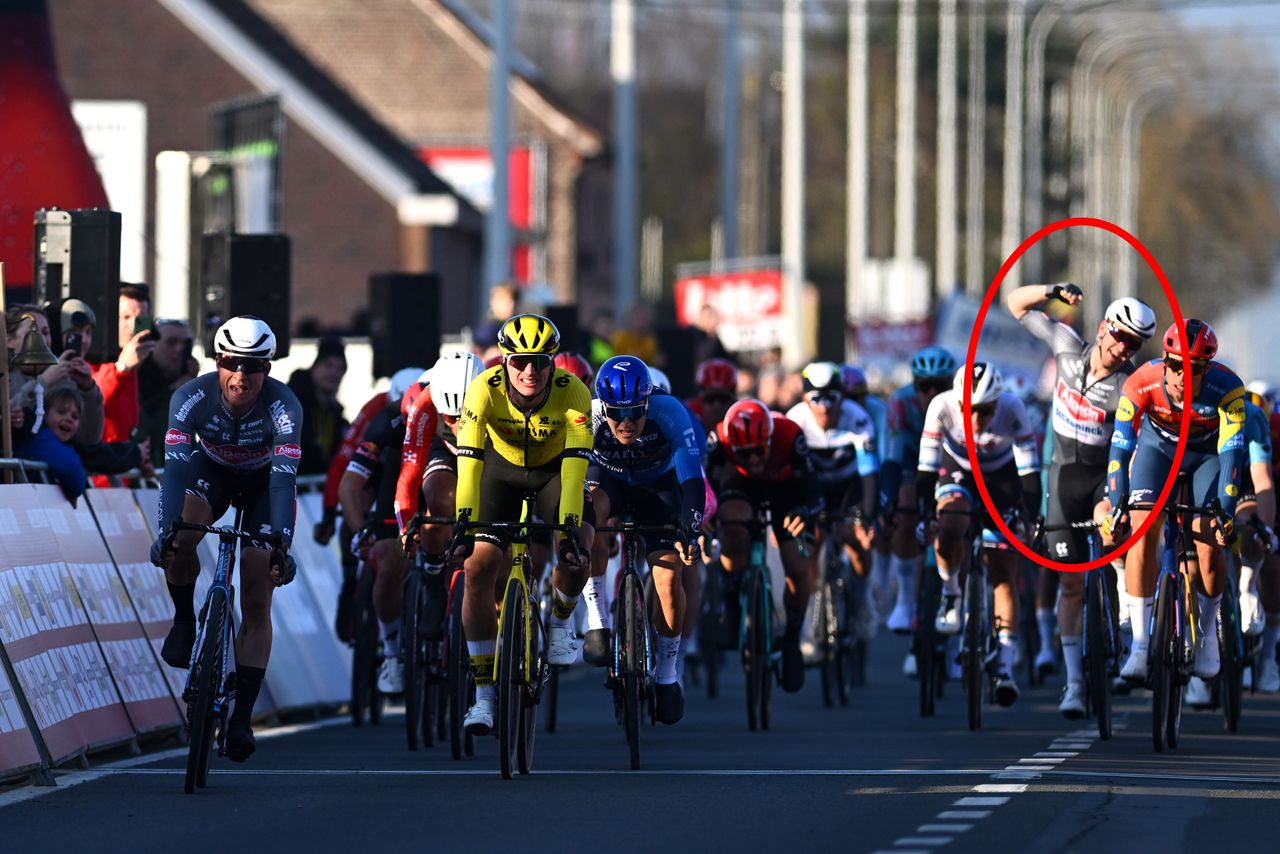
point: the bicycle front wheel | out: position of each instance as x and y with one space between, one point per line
632 663
511 675
1097 659
530 695
975 646
1161 662
1231 674
709 630
458 681
413 654
365 697
200 717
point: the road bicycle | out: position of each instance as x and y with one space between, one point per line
833 633
760 661
366 648
422 646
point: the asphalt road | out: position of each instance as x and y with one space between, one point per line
867 777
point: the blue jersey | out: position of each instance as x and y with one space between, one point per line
1257 434
668 442
879 413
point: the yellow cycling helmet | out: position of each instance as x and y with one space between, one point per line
1258 401
529 333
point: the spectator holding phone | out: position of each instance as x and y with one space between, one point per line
27 390
118 380
170 366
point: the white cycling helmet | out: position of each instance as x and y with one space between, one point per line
450 378
987 384
1133 315
400 382
245 336
660 379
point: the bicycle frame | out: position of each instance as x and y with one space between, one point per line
223 571
521 571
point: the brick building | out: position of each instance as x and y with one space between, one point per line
365 86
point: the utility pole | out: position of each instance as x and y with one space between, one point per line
856 162
793 262
945 269
623 68
977 147
1011 233
904 208
497 224
732 86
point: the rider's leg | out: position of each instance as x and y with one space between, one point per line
595 593
1071 622
253 647
904 560
668 618
1140 571
1002 571
1212 581
1252 557
1046 601
180 574
1269 590
479 618
388 592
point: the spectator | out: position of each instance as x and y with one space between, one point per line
171 364
316 388
27 391
503 300
638 338
51 443
595 341
707 344
119 379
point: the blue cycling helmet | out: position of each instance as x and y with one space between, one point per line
933 362
623 381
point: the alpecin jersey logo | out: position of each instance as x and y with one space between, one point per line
1078 406
177 437
292 451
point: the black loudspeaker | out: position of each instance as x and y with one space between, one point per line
78 256
243 274
677 345
565 317
404 321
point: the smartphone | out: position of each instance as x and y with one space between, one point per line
73 341
145 322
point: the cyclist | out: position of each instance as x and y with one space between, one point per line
367 492
1267 679
646 454
717 381
576 365
1257 502
233 438
854 382
1006 454
525 428
932 370
1155 395
1089 376
760 455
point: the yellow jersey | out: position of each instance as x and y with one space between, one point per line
558 429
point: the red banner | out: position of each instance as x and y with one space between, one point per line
749 305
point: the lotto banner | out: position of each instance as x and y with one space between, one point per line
128 539
46 632
17 749
111 614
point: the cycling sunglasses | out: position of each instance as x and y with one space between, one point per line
1129 341
824 398
243 365
1175 365
626 413
520 361
984 409
719 397
931 386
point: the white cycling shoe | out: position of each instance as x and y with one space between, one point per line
1269 677
909 669
1046 661
1198 695
562 646
1072 704
902 616
1135 666
948 619
391 676
479 719
1207 661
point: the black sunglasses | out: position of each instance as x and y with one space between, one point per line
520 361
931 386
243 365
1129 342
984 409
824 398
626 413
1175 365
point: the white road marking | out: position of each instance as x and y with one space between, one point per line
1065 754
949 814
943 828
1000 788
980 802
922 840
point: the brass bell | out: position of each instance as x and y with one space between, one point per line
35 353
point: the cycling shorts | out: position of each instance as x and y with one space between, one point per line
503 486
245 489
655 503
440 458
1003 486
1152 461
1074 490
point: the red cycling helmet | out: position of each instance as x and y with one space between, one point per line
718 375
748 424
493 361
1201 340
576 365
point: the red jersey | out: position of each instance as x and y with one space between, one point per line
788 452
419 428
350 441
1217 412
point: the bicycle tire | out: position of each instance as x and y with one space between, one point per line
1097 659
365 697
632 623
751 665
413 656
553 699
1231 673
510 676
529 696
458 680
822 631
764 644
200 716
1160 664
709 631
975 636
924 642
